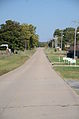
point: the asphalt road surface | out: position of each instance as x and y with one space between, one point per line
36 91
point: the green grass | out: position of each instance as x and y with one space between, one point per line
68 72
77 61
55 57
8 63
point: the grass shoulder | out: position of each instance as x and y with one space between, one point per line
66 71
10 62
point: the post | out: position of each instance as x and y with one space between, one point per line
76 23
61 39
56 41
75 44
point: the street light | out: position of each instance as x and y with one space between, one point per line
76 23
55 38
75 43
61 39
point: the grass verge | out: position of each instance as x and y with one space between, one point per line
8 63
68 72
56 58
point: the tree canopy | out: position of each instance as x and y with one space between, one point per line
68 36
18 36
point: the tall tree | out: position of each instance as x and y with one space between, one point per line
68 36
10 33
58 34
18 36
30 36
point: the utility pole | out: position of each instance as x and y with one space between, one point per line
61 39
76 24
75 43
56 41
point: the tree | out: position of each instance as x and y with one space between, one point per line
10 33
18 36
58 34
30 36
68 36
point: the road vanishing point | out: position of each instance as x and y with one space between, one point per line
36 91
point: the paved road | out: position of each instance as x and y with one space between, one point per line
35 91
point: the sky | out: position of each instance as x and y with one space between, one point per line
46 15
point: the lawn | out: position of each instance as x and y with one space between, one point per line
68 72
10 62
57 57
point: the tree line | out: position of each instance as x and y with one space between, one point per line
68 36
18 36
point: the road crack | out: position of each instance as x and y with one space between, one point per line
37 106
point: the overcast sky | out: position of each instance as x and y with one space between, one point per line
46 15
